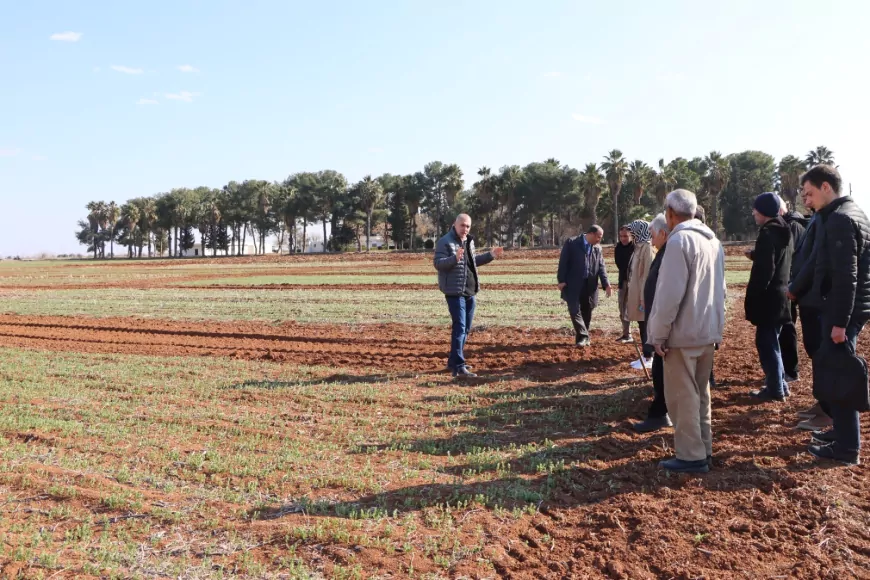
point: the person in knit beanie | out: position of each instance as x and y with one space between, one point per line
766 305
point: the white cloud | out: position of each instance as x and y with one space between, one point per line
39 158
553 75
375 150
186 68
185 96
127 70
97 69
9 152
146 102
66 36
586 119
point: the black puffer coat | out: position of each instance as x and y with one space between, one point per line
842 271
766 302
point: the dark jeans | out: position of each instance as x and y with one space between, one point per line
767 343
462 313
788 344
581 317
658 407
648 349
847 425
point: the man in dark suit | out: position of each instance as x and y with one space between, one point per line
581 266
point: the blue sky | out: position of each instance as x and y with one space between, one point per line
263 89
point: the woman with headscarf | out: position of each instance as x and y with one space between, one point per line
657 416
638 271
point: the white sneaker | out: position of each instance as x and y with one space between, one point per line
641 363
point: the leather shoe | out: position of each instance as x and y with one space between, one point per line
652 424
816 423
813 411
681 466
766 396
833 453
463 373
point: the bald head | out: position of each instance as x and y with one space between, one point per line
462 225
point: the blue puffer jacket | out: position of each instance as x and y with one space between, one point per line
452 272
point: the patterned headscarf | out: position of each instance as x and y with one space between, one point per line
640 231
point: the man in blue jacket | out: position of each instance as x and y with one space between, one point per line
581 266
457 279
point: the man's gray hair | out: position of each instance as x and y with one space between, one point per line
659 224
682 202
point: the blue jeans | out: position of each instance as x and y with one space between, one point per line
767 343
847 425
462 313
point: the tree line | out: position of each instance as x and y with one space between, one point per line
536 205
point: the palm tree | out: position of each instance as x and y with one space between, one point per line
484 194
591 184
371 194
615 168
639 177
717 171
790 170
98 221
664 181
820 156
112 214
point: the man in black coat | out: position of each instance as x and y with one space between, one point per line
788 341
841 282
766 304
622 252
581 266
817 417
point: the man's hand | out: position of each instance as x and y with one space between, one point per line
838 335
609 291
661 350
460 253
562 286
790 296
748 254
497 252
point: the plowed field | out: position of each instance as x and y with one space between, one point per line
155 438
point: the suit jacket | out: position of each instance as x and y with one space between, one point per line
580 269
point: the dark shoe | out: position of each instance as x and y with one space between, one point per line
463 373
833 453
652 424
625 339
584 342
791 378
824 437
680 466
813 411
817 423
452 370
766 396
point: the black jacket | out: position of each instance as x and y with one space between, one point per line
622 258
842 270
803 265
452 279
766 302
579 276
797 225
649 289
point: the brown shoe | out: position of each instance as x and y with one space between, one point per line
817 423
811 412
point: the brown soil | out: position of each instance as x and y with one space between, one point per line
767 510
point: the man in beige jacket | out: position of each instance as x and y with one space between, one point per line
687 320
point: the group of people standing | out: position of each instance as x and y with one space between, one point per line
815 270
